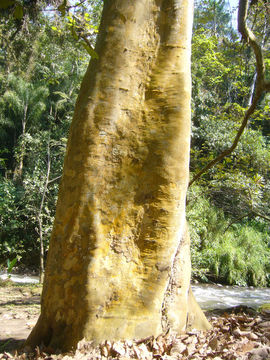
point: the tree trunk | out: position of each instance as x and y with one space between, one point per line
118 265
18 171
39 214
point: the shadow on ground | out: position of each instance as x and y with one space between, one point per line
11 345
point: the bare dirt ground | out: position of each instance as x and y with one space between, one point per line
237 334
19 310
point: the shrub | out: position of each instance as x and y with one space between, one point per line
238 255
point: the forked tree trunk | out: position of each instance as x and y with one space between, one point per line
118 265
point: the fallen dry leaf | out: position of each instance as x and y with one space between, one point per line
213 343
178 348
233 337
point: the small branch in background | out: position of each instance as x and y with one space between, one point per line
262 85
55 179
236 221
76 5
251 213
256 214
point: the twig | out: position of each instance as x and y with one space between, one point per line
55 179
236 221
256 214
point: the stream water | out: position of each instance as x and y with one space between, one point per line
208 296
221 297
24 279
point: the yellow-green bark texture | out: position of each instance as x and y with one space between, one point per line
118 264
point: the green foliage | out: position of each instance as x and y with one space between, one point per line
236 255
22 105
81 25
37 101
231 215
12 228
213 15
230 262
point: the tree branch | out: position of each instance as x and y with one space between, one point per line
262 85
236 221
250 39
228 151
252 212
55 179
256 214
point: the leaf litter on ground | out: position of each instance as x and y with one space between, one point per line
234 336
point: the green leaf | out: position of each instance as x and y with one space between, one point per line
6 3
73 33
62 8
11 264
18 12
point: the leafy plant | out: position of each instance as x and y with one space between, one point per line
11 264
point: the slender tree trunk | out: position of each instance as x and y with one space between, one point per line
118 265
39 214
41 250
19 166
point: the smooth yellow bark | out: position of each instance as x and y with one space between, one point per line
118 265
